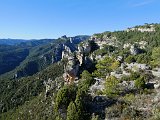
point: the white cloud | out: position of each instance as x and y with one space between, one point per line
142 3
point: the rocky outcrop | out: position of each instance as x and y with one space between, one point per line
142 44
49 86
71 70
119 58
105 40
149 28
66 52
134 50
127 84
99 85
84 48
58 52
137 66
80 57
119 74
156 72
127 45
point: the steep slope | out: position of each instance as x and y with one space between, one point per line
11 56
14 93
43 53
13 52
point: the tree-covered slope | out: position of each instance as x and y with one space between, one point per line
40 54
11 56
111 75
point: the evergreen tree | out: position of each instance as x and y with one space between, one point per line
156 56
111 87
72 113
105 66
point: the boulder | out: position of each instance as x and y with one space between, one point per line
119 58
133 50
127 45
142 44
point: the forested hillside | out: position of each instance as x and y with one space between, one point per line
107 76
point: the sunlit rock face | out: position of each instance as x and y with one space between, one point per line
66 52
84 48
142 44
105 40
80 57
71 69
149 28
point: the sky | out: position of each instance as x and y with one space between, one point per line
37 19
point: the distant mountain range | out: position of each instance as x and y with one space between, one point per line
11 41
22 41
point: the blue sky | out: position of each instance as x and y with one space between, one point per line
30 19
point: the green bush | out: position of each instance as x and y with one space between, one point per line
143 58
111 86
64 96
130 59
134 75
156 56
105 66
139 83
125 78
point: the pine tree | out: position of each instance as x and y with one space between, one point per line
72 113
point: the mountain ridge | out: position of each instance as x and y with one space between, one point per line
109 75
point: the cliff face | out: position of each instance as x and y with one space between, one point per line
101 41
81 58
66 49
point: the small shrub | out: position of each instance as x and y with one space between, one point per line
111 86
139 83
130 59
